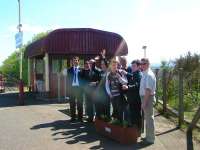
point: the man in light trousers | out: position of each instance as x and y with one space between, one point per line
147 94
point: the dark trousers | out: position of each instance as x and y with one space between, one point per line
118 107
102 107
76 100
135 111
89 105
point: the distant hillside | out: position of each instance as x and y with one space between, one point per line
155 65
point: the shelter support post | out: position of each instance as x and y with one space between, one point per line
29 74
46 64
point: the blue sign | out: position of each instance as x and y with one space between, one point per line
18 39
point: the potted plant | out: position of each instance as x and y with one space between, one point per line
119 131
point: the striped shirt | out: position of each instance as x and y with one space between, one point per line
113 83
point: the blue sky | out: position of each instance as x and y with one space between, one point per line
169 28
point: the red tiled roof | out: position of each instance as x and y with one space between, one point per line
78 41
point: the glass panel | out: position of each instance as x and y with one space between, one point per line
55 66
64 64
81 63
39 66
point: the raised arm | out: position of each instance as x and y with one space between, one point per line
107 86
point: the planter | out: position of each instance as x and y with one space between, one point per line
124 135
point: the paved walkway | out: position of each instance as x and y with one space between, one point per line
41 126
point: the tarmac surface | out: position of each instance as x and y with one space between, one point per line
40 125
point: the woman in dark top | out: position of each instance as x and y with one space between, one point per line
102 104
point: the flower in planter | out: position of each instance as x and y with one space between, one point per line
117 130
115 122
105 118
124 123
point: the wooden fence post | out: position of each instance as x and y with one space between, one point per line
157 79
190 128
164 88
180 91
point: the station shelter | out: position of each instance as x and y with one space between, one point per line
50 55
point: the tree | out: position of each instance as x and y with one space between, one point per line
10 66
39 36
190 63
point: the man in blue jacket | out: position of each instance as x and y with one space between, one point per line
76 99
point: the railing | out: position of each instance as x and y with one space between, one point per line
179 93
10 86
190 128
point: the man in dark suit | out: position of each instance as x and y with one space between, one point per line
91 77
133 96
76 99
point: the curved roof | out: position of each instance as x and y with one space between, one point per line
78 41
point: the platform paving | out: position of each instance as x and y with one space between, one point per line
43 126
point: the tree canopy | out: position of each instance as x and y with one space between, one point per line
189 63
10 66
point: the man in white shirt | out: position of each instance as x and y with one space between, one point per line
147 94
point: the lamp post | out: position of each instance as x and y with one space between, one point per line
19 25
144 48
20 31
21 85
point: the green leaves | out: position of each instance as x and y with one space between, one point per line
10 66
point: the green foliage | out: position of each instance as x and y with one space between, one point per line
39 36
190 64
105 118
115 122
166 65
124 123
10 66
170 82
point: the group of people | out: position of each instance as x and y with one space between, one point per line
129 90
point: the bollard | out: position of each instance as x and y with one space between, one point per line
21 92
